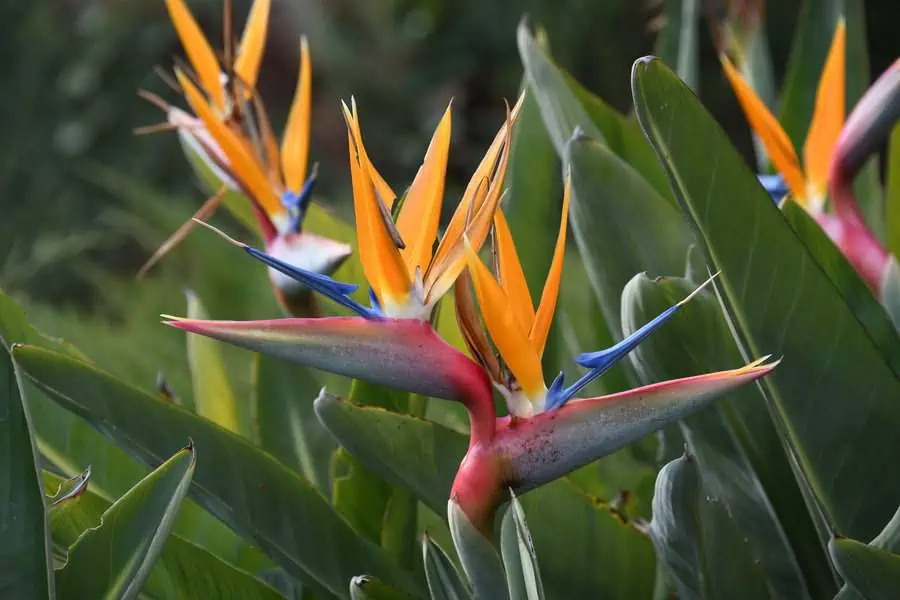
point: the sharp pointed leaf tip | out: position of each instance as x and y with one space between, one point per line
328 287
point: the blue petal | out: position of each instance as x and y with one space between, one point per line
601 361
297 203
775 185
336 290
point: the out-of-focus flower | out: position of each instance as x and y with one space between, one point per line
230 136
808 183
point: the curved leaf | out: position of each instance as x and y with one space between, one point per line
416 454
621 225
114 559
478 556
248 489
738 453
782 302
872 572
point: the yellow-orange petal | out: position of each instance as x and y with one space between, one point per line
244 165
253 42
773 137
828 116
421 212
468 205
550 295
199 52
509 339
382 263
381 186
295 143
512 279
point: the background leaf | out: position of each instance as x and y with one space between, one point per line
114 559
148 427
26 570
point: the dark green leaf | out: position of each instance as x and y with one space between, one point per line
621 225
183 570
782 302
416 454
72 445
248 489
26 568
738 453
585 548
288 427
856 293
677 42
114 559
872 572
892 193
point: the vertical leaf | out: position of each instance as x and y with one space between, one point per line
214 398
287 423
523 576
444 581
26 568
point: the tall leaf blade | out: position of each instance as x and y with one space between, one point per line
114 559
26 567
781 302
214 397
288 427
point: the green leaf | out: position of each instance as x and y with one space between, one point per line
288 427
621 225
873 572
694 534
413 453
444 580
585 548
114 559
385 515
856 292
183 570
26 568
892 193
261 499
736 449
479 558
72 445
214 398
566 105
523 576
677 42
890 291
534 193
782 302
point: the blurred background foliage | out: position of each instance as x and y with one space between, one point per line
85 201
